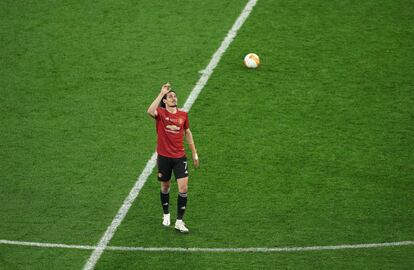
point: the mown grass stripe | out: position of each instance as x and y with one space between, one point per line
123 210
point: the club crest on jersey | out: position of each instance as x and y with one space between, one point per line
178 121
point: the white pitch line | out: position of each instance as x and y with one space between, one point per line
213 250
206 73
261 249
119 217
45 245
110 231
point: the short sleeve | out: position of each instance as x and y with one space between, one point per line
186 122
160 112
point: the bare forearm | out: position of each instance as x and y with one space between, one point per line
190 142
152 109
192 148
154 105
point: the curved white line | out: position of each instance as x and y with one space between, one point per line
195 249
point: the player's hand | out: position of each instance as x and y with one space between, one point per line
196 161
165 88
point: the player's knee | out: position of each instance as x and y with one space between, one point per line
165 187
183 189
165 190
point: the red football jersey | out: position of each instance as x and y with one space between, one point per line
170 132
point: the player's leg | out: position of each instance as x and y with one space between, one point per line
181 173
165 202
181 204
164 176
182 196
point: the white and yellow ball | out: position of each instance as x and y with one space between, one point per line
251 60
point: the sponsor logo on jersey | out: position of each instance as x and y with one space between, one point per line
173 127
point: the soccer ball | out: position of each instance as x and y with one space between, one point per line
251 60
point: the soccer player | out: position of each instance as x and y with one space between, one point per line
172 126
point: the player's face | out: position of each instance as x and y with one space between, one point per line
171 100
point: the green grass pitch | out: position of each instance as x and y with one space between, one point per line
315 147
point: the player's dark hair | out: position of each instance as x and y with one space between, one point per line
162 104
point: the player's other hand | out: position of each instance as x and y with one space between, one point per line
165 88
196 161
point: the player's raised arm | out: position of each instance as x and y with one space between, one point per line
152 109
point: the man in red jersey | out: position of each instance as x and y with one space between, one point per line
172 126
